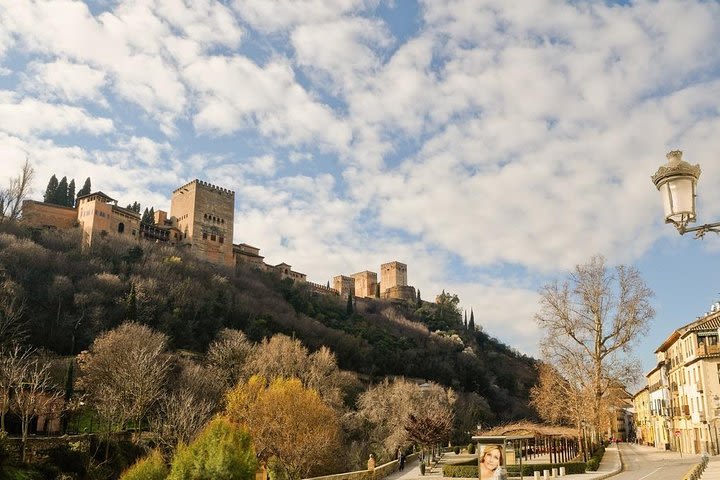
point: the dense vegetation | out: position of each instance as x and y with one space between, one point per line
62 299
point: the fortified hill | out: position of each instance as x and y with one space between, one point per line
201 220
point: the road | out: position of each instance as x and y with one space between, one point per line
647 463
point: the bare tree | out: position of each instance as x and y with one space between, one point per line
12 197
35 395
13 328
179 417
387 408
591 322
13 363
228 354
124 373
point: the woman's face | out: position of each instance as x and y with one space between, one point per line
492 459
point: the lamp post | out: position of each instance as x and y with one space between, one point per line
676 182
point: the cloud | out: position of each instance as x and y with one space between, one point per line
66 81
236 93
285 14
28 116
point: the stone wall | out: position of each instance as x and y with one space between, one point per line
404 292
40 214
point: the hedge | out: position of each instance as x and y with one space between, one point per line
467 471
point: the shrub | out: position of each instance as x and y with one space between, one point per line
152 467
593 464
422 468
221 452
464 470
471 448
456 450
68 460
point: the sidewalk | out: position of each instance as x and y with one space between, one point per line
609 466
712 471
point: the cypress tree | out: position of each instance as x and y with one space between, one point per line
465 322
471 324
50 190
70 199
61 193
85 189
328 284
350 304
419 300
377 290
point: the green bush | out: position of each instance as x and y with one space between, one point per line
593 464
221 452
456 450
466 470
471 448
463 471
422 468
152 467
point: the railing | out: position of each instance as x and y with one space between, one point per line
705 349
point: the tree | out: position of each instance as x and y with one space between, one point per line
471 323
429 428
349 308
293 429
228 355
51 190
124 373
70 200
13 327
419 300
13 196
148 215
135 207
377 290
465 321
34 395
591 322
86 189
221 452
13 363
151 467
388 406
61 193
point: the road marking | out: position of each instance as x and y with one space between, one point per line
646 476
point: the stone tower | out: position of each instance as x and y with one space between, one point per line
393 274
365 283
205 215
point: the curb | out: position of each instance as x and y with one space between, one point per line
616 471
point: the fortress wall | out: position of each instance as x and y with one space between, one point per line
41 214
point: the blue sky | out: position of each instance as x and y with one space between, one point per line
490 145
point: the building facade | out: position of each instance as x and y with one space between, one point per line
684 389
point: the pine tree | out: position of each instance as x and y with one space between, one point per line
70 199
465 323
86 189
50 190
471 323
350 304
61 192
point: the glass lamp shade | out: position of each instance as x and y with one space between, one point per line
678 197
676 182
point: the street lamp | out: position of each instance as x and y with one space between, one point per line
676 182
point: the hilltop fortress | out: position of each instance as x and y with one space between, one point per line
201 220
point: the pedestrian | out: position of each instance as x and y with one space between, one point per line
371 465
402 461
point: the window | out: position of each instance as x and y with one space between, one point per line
212 238
121 227
204 236
222 239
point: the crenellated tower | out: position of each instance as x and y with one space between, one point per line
205 214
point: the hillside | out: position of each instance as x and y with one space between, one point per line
71 295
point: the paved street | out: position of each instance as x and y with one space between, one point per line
643 462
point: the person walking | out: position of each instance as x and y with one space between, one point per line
402 461
371 466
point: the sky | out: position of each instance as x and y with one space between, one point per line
489 145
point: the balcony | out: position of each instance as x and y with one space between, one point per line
704 349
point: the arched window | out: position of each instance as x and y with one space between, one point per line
121 227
